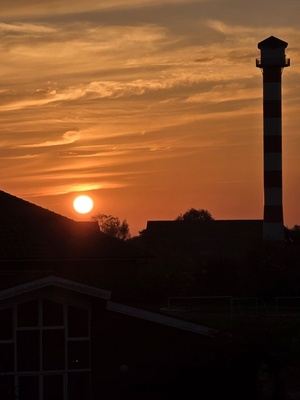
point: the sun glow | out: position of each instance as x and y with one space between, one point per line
83 204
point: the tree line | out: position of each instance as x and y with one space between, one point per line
113 226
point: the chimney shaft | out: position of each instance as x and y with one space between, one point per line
272 62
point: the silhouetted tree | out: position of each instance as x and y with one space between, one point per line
294 234
112 226
195 215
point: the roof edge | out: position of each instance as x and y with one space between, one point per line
53 280
161 319
272 42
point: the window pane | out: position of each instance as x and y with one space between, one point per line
28 350
7 387
28 388
53 349
52 313
78 322
6 357
78 354
53 388
6 324
79 386
28 314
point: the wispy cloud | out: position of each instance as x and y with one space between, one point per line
97 90
45 7
25 28
67 138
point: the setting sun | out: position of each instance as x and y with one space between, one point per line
83 204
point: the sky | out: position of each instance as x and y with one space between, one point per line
151 107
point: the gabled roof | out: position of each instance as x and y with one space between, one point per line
52 280
30 232
272 42
95 292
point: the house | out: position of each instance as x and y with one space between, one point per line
204 240
67 330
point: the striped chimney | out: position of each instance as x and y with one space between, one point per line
272 62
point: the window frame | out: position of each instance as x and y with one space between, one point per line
41 372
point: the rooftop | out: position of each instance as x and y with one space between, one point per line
272 42
30 232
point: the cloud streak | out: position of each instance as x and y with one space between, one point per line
67 138
25 28
46 7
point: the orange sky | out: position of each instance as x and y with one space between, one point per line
149 106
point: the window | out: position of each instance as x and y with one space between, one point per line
6 357
78 322
53 313
53 387
53 349
6 323
44 351
7 387
28 388
28 314
78 354
79 386
28 348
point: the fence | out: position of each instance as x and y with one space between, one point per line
213 304
287 306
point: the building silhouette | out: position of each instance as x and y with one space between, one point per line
68 329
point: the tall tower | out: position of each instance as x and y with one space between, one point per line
272 62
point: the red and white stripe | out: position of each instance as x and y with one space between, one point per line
272 62
273 209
